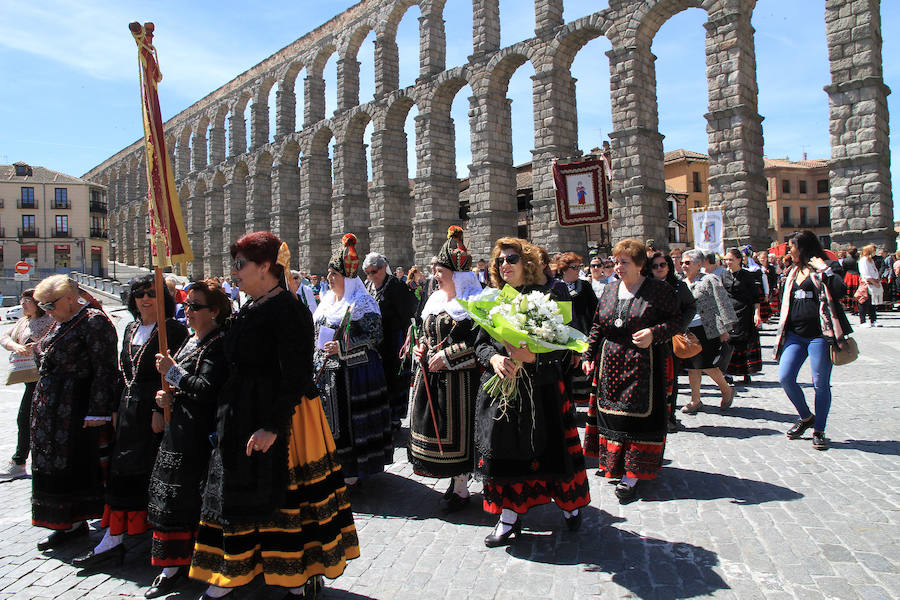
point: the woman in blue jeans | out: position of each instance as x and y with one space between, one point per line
811 321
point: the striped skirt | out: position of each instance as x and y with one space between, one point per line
312 534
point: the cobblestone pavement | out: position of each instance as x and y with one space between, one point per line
739 511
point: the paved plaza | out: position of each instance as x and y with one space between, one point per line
739 511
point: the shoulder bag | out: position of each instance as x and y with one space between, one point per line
686 345
846 354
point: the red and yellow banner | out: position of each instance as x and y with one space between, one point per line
168 239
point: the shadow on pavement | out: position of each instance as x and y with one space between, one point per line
750 412
885 447
686 484
390 495
648 567
725 431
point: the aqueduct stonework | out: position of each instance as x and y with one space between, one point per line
286 185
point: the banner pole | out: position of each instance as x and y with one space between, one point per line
161 330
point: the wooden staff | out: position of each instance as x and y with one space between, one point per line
424 368
158 287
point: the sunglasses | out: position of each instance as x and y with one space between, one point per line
573 268
596 265
371 271
510 259
195 306
138 294
659 265
685 262
239 264
49 306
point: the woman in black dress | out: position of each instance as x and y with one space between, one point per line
139 422
584 305
196 373
445 354
745 289
630 356
529 455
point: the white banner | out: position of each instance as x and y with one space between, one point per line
709 234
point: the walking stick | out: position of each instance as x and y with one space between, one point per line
437 434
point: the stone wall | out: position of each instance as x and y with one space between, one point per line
310 196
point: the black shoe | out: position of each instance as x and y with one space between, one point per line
58 538
626 493
455 503
92 559
164 585
820 442
673 426
600 473
573 522
800 427
449 491
312 588
494 540
729 379
747 379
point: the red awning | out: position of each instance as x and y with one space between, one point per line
96 249
29 248
61 247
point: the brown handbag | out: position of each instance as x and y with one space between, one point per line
846 355
686 345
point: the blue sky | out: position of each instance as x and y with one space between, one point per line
70 97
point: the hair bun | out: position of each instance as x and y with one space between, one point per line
348 240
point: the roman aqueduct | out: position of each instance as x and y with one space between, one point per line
294 187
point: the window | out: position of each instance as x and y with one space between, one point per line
824 216
822 186
61 198
786 216
27 200
697 187
28 229
802 186
62 224
786 186
804 215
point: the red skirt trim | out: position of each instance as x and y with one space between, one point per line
63 525
641 460
172 548
125 521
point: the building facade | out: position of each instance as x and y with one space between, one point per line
799 197
687 177
55 221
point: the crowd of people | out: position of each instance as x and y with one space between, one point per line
235 427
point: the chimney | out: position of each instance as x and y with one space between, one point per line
804 156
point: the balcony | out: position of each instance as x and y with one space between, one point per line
61 233
61 205
26 203
787 223
27 232
1 202
99 233
99 207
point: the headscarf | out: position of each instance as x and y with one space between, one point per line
355 296
467 285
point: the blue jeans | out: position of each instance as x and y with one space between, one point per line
794 354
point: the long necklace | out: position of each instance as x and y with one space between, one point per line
266 295
201 345
619 322
60 333
135 358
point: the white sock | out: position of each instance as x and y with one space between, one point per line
629 481
108 542
170 571
351 480
215 591
569 515
461 486
508 518
298 591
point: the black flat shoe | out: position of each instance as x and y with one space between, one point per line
164 585
494 540
92 559
449 491
626 493
820 442
800 427
573 522
58 538
455 503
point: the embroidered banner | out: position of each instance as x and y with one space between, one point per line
709 231
581 193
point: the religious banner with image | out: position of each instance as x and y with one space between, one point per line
581 193
709 230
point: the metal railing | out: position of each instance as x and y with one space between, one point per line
61 233
27 232
29 204
99 233
97 206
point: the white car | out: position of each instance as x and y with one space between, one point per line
13 313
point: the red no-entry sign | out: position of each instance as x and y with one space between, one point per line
23 267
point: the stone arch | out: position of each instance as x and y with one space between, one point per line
183 152
259 192
350 201
575 37
235 209
387 56
237 125
286 100
198 143
259 126
217 139
314 247
284 220
314 86
348 67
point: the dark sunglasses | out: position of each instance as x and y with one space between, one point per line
49 306
509 259
685 262
138 294
659 265
239 264
195 306
596 265
573 268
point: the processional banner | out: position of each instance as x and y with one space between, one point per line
709 231
581 193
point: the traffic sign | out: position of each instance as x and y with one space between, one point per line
21 276
23 268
